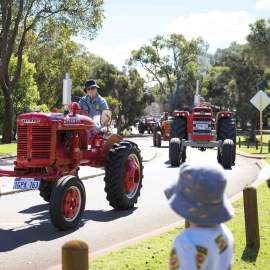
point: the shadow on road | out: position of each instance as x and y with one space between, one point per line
106 216
169 164
39 228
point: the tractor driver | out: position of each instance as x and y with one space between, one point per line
92 102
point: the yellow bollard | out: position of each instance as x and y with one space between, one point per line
75 255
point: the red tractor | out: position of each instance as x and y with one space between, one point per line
200 129
52 146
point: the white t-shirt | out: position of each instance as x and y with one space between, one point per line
203 248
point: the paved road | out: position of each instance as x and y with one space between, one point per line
29 241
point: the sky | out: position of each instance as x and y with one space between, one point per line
129 24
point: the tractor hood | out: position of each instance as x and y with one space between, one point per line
38 118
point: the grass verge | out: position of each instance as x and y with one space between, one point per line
8 149
153 253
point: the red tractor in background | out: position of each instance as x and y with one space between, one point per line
200 129
162 130
146 124
52 146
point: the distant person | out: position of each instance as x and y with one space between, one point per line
198 196
92 103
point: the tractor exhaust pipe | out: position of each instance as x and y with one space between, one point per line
67 86
197 95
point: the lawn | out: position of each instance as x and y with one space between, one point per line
8 149
153 253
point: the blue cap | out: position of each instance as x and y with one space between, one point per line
198 195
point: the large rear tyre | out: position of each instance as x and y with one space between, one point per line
227 154
67 203
227 130
45 189
175 151
123 175
179 128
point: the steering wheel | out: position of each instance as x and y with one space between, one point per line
80 98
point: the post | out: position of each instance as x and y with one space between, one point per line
251 218
75 255
268 146
239 142
248 143
256 144
261 123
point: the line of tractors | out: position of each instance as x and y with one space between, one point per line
52 146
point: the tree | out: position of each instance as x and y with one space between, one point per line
129 90
217 84
18 18
246 75
171 62
26 96
259 40
53 53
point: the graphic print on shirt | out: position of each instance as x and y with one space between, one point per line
174 262
221 243
97 107
200 256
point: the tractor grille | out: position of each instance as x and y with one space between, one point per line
39 144
22 142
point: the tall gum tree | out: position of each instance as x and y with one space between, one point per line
18 18
168 61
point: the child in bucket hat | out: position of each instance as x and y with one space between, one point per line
199 197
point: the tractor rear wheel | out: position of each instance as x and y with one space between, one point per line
45 189
227 130
67 202
175 151
227 153
179 128
123 175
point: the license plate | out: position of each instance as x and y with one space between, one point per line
202 126
26 183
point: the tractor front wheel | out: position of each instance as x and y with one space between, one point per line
175 151
227 153
67 202
123 175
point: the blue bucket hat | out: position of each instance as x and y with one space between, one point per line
90 83
198 195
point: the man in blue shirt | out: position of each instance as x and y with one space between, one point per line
92 102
